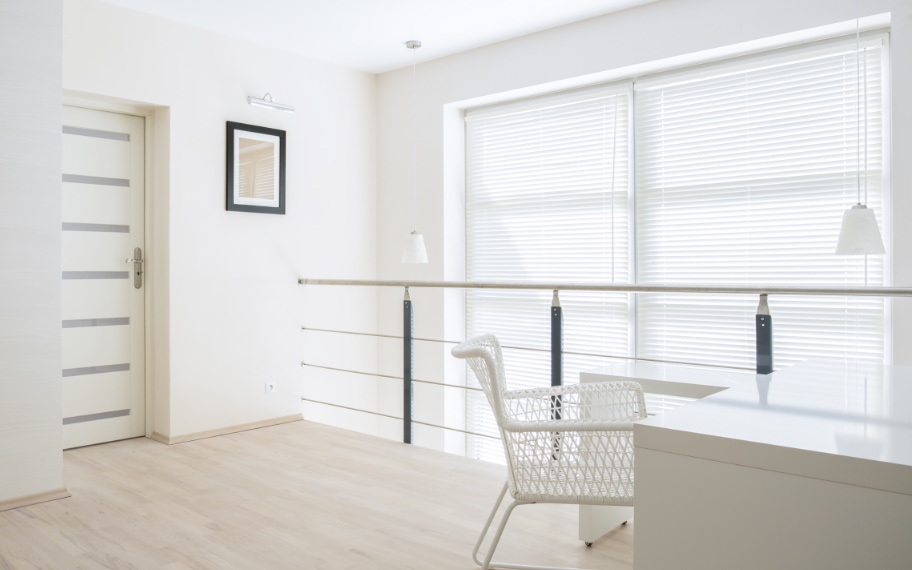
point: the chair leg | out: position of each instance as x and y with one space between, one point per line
484 531
487 564
500 529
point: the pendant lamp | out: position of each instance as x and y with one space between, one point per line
859 234
414 251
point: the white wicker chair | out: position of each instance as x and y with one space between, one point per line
567 444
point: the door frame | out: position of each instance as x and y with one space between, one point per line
150 116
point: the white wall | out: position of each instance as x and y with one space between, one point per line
225 282
30 119
596 48
230 306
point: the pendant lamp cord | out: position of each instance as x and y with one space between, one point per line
858 103
858 86
414 144
866 125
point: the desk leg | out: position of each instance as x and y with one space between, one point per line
596 521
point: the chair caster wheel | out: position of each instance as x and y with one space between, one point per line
589 544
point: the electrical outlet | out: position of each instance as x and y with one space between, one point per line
270 387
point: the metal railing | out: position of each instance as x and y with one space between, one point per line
738 289
763 325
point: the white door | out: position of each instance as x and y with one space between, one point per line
103 291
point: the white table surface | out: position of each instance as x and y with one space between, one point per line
689 381
846 422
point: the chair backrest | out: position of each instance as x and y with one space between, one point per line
569 464
485 358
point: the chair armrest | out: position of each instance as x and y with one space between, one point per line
612 401
567 426
587 388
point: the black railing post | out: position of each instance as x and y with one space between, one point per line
764 322
557 341
407 321
557 352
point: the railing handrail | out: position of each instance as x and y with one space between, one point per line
763 319
626 288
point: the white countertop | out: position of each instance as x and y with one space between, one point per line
846 422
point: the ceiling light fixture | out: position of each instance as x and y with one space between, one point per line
267 103
414 251
859 234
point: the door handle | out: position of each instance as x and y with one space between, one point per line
137 262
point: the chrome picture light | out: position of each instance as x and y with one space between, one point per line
267 102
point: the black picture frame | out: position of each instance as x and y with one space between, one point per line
255 183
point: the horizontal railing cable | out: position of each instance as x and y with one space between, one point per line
398 418
377 374
393 336
627 288
457 429
532 349
350 408
638 358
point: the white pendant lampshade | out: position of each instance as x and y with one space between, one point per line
859 234
414 251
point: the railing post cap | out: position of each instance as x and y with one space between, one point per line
763 308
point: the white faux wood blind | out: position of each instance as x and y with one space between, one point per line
547 199
742 177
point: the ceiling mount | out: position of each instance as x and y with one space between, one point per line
413 44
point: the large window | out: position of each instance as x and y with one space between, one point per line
741 171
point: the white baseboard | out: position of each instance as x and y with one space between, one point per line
171 440
27 500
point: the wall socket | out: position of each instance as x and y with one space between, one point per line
270 387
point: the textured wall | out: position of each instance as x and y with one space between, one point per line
30 109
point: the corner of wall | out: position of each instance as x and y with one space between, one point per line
160 297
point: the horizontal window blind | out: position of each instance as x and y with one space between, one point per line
742 172
742 177
547 198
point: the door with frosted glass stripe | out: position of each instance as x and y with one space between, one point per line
103 298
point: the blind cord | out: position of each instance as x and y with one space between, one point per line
613 170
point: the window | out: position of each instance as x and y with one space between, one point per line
548 198
742 171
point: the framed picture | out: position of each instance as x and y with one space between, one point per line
255 173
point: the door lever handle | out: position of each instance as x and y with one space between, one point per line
137 261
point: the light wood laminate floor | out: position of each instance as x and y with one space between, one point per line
298 495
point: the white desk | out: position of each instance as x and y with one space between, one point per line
808 467
677 380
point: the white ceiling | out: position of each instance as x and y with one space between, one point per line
370 35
